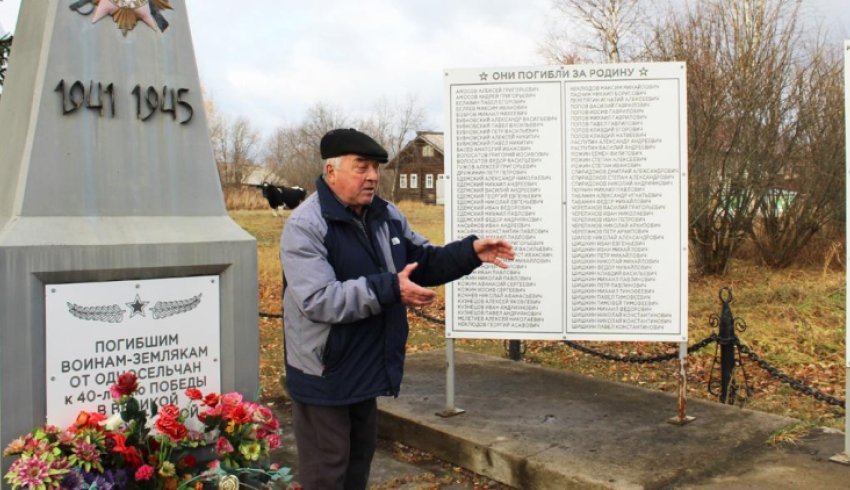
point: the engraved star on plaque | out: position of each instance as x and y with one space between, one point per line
137 307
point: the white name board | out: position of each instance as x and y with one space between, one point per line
846 166
583 169
164 330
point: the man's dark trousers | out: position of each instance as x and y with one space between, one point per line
335 444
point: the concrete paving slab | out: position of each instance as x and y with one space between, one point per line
538 428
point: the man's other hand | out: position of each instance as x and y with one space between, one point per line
493 250
413 294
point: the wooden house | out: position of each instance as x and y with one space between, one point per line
420 169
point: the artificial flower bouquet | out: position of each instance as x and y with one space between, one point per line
166 451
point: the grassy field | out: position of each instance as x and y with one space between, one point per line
794 318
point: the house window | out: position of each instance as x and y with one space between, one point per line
414 181
427 151
402 181
429 181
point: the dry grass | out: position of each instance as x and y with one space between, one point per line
244 197
795 320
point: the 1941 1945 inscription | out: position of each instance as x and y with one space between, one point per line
100 98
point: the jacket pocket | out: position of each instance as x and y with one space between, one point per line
334 350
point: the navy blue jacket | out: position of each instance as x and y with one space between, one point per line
345 326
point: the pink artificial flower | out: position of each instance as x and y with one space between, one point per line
273 440
233 398
214 464
145 472
262 415
223 446
31 471
66 437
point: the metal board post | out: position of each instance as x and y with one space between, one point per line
681 417
450 410
844 457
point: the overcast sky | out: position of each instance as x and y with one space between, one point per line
270 60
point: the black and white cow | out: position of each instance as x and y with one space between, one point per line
281 197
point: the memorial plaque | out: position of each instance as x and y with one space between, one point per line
164 330
583 169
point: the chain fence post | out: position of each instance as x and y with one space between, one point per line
844 458
727 343
514 350
682 417
451 410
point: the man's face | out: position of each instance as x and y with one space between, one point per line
355 182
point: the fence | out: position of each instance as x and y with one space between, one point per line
729 351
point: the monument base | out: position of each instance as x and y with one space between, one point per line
36 251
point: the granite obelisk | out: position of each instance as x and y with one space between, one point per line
109 194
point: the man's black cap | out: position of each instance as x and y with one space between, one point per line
339 142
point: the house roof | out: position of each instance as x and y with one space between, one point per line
258 175
433 138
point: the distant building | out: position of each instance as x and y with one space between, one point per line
420 169
256 175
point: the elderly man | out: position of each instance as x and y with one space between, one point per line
351 266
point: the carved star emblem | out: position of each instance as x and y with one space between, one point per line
643 72
137 307
126 13
483 76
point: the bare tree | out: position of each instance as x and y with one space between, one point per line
813 196
235 143
614 25
293 151
742 113
393 125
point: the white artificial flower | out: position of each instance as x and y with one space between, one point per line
113 422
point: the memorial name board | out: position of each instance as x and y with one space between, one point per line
583 169
164 330
847 164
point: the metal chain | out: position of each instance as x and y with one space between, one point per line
640 359
432 319
793 383
773 371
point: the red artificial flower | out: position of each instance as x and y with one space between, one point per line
194 394
88 419
145 472
126 385
172 428
237 413
211 400
187 462
131 455
169 411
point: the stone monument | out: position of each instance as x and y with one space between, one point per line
116 250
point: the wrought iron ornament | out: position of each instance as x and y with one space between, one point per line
126 13
115 313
